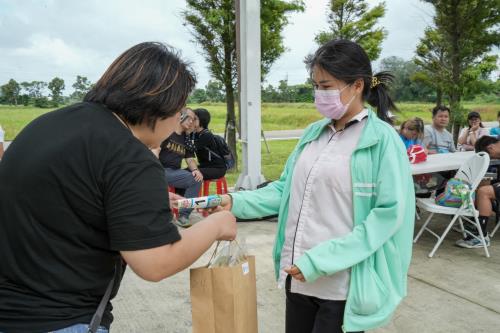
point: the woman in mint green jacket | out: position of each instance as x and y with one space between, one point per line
345 202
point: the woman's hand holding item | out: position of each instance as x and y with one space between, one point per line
226 204
226 224
295 273
172 198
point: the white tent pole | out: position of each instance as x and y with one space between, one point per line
248 20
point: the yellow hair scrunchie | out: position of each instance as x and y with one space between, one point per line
375 82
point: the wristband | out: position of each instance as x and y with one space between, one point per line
194 170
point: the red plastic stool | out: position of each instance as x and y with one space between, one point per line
175 211
221 186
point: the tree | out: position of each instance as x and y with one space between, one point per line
430 57
82 86
215 91
213 26
269 94
285 93
56 86
10 91
352 20
405 87
467 30
34 93
198 96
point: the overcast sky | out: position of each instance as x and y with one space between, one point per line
42 39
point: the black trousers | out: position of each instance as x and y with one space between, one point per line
307 314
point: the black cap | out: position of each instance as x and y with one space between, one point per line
473 114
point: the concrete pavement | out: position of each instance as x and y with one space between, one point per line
456 291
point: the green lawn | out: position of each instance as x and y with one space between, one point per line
14 118
272 163
275 116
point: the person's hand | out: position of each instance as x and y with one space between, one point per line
226 204
172 198
226 222
295 273
474 127
197 175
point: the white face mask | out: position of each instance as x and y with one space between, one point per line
328 103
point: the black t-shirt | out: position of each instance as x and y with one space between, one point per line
205 146
76 187
174 149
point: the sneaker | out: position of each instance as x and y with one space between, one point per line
183 222
472 243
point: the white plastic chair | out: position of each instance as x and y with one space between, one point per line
472 171
495 229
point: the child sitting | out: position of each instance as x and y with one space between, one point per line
412 132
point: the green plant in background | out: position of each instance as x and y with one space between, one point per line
465 32
213 26
351 19
56 86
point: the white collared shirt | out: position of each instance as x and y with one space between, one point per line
321 205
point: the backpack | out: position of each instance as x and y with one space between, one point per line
222 151
455 193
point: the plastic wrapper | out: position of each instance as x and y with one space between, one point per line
200 202
230 254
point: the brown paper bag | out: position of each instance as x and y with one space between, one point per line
224 299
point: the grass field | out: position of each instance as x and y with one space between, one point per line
275 116
272 163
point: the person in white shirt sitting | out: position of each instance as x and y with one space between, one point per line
470 134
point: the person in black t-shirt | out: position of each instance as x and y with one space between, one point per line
92 195
173 150
212 166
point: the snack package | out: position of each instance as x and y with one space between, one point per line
201 202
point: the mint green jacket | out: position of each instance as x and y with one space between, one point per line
378 250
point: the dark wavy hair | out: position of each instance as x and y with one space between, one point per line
204 117
347 61
483 142
147 82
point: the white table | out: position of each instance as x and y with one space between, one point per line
441 162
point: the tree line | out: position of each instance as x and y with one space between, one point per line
43 94
452 61
409 86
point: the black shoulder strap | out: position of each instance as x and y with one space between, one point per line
97 318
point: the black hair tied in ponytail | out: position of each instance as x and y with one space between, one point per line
378 95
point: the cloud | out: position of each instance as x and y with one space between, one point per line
56 51
41 39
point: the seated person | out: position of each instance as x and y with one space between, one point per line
495 131
469 135
173 150
412 132
212 166
485 194
437 139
